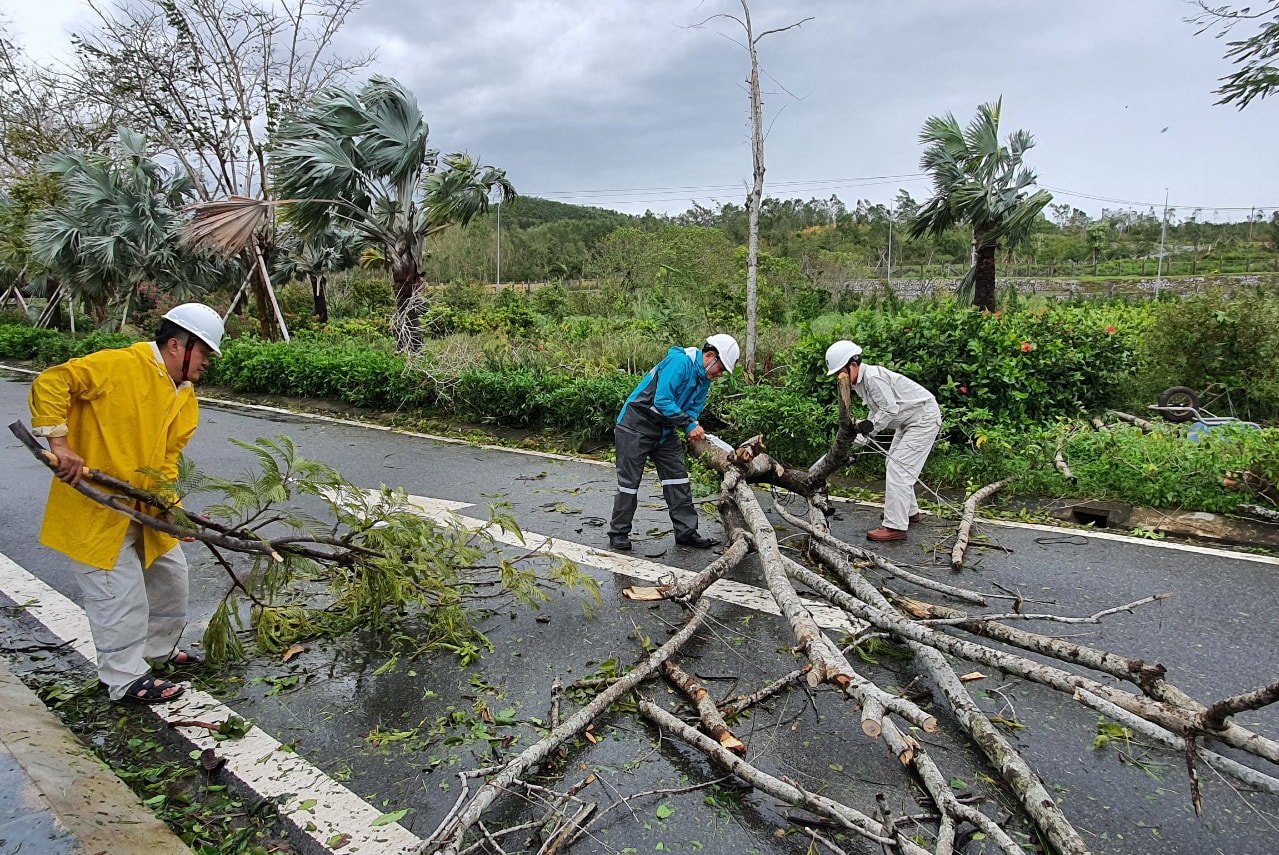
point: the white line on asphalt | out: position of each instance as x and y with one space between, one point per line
1140 541
737 593
258 760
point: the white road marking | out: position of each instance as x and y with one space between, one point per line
1139 541
258 760
724 590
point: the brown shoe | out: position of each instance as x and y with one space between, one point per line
883 535
914 518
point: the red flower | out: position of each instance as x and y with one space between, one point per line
963 390
1027 347
1111 330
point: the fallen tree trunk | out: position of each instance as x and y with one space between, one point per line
1025 784
1267 514
829 665
840 814
879 561
1138 725
1142 424
1059 461
448 838
966 521
712 720
1179 719
1138 671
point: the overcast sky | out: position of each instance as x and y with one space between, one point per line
625 104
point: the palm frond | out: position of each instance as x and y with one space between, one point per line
225 226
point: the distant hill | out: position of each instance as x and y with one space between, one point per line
527 212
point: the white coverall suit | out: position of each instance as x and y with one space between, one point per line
897 403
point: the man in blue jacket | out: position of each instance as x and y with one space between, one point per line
669 399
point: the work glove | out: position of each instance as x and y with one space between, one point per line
865 427
860 440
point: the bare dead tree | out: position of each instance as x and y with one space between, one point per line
755 197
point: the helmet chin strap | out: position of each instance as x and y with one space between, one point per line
186 359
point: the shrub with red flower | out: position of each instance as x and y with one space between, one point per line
1111 330
1027 347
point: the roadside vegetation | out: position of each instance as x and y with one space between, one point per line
1015 385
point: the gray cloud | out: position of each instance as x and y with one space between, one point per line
578 97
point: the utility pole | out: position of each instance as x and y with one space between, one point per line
1163 238
890 243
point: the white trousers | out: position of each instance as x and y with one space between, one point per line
906 458
135 614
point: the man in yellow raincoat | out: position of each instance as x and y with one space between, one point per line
120 411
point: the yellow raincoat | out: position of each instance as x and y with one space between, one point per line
122 413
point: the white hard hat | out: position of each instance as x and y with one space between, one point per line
201 321
726 346
839 353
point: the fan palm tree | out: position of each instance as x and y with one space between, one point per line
361 161
978 182
314 258
115 228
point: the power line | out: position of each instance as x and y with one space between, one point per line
683 193
822 184
1183 206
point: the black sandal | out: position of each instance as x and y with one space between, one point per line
186 659
150 690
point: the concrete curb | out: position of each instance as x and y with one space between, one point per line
68 800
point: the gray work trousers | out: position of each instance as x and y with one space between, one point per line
906 458
668 456
134 614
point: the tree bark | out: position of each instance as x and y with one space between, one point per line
880 562
844 816
448 838
966 521
320 296
1015 771
984 270
263 296
1143 424
829 665
712 719
754 199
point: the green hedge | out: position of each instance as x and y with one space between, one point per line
313 368
1018 405
1023 368
372 377
49 347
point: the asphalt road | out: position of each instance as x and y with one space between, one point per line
398 737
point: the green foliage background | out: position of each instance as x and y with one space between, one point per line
1013 385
